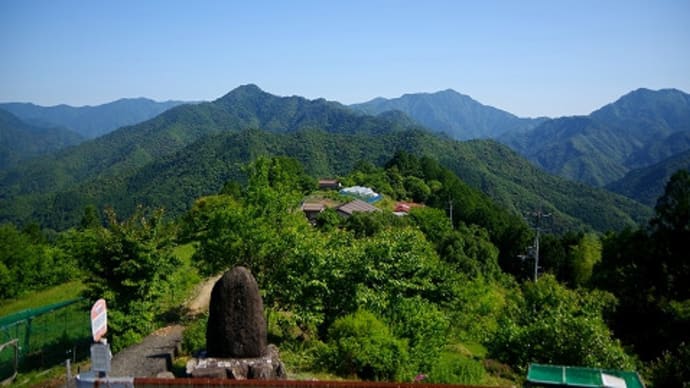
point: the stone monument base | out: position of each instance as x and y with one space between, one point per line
268 367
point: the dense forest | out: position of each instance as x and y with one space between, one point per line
382 297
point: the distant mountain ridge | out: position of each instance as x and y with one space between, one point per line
638 130
90 121
191 150
20 141
641 128
455 114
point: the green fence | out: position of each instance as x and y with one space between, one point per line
46 336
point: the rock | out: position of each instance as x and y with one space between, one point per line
210 373
239 371
262 371
279 371
165 375
236 325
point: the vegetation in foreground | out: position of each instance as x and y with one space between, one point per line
379 297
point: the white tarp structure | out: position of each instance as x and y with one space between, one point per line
360 191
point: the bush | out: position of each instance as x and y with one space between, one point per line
672 369
425 328
453 368
194 336
362 345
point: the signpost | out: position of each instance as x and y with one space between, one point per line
100 350
99 320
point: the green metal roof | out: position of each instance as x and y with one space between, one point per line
557 375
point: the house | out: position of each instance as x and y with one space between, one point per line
405 207
357 205
329 184
312 210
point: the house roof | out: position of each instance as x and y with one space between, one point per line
313 207
406 206
357 206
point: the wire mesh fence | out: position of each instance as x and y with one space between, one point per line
45 336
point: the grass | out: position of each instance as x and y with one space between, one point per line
35 299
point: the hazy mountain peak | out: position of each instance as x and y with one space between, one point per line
447 111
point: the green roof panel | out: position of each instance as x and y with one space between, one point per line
558 375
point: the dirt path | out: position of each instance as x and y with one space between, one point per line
156 352
199 303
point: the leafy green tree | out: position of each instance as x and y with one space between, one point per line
551 324
130 270
467 248
417 189
670 229
423 325
648 271
584 256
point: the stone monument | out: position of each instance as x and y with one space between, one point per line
236 340
236 326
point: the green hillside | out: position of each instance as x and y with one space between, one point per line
645 185
20 141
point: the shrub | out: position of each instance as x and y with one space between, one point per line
453 368
194 336
360 344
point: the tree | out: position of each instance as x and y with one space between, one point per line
131 266
670 229
648 271
551 324
584 256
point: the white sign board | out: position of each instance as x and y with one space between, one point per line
99 320
100 357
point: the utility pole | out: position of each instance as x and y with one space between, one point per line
538 215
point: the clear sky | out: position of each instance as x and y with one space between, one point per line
532 58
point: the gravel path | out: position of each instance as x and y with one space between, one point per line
157 351
149 357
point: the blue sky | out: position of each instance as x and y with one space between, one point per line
532 58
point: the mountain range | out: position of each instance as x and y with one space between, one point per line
192 150
90 121
457 115
642 128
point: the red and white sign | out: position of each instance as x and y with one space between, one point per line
99 320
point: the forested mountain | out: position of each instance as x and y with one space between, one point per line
647 184
447 111
641 128
129 148
90 121
20 141
156 163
